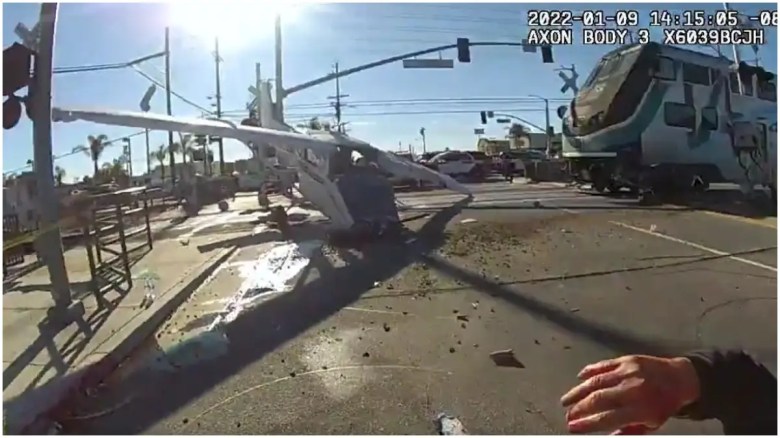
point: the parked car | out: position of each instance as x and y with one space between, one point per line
426 156
457 164
484 160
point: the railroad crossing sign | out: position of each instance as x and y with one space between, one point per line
569 83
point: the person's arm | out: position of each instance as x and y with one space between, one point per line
736 390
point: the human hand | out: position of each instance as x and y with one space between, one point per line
630 394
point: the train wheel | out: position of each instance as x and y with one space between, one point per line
614 187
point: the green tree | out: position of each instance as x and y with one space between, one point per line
59 174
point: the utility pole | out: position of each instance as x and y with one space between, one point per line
548 137
172 161
337 104
278 56
737 60
219 106
148 154
49 242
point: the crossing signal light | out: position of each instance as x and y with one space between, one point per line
464 52
483 116
547 57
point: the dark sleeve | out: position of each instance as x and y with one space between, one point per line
736 390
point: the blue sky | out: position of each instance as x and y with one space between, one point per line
315 36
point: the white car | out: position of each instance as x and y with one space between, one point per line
456 164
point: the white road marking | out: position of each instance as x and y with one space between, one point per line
687 243
489 202
696 245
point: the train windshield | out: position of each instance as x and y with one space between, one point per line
602 101
613 67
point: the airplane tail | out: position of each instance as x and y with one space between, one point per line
268 110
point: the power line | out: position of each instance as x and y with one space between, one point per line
404 113
422 101
100 67
161 85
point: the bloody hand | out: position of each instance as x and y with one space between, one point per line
630 394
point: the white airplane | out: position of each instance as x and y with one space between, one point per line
316 183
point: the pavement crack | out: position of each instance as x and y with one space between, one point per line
314 372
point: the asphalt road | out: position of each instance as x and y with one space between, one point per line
380 341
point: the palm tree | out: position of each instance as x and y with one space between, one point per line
59 174
94 149
159 155
184 147
517 130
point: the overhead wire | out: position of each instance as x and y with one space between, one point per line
159 84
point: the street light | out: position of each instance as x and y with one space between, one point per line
145 105
128 151
548 144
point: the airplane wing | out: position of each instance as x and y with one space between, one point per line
288 141
225 129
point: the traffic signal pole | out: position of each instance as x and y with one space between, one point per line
218 97
172 159
281 93
49 242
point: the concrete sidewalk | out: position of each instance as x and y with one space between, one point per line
43 366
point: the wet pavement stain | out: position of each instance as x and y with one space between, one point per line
203 337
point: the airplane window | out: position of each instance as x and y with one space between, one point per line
709 118
696 74
679 115
734 83
665 69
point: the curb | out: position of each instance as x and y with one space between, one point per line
138 329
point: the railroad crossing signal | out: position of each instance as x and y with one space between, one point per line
569 82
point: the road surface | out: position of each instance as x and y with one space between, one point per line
383 340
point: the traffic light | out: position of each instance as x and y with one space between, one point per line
464 52
483 116
547 57
17 60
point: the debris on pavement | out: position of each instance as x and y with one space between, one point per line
574 309
506 358
386 326
463 318
474 305
449 425
468 221
653 227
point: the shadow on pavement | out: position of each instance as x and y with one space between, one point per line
265 328
621 343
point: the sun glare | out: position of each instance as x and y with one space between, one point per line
235 23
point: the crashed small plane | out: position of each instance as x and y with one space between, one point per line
347 194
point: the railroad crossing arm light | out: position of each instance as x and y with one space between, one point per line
483 117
